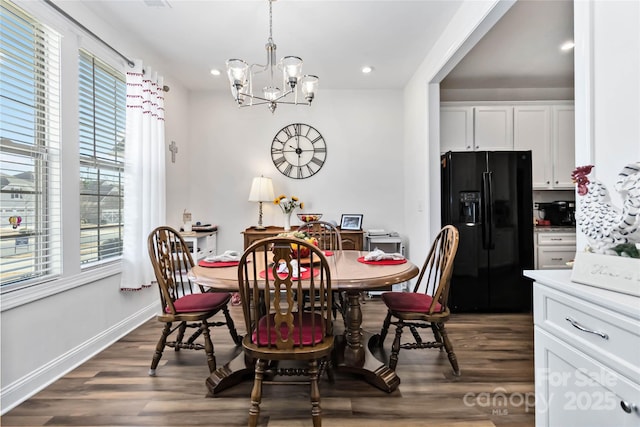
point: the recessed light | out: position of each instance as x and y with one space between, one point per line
215 72
367 69
568 45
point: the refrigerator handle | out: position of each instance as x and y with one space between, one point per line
487 203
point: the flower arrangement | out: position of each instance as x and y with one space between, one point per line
288 204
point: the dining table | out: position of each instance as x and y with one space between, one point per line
350 274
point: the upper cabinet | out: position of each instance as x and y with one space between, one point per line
493 128
456 129
476 128
547 129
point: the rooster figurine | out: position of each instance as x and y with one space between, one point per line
605 226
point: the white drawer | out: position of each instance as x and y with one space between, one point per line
611 338
557 239
575 390
555 257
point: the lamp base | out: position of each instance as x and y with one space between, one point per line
259 227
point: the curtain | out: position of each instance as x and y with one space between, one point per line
144 175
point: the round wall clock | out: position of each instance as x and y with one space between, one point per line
298 151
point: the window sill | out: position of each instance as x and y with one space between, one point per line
61 284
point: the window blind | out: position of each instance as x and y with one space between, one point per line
30 219
102 118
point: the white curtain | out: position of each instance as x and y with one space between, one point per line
144 189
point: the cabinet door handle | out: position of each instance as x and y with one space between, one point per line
577 325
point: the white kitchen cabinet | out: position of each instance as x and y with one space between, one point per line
201 244
587 366
456 129
532 131
476 128
548 131
493 128
564 146
554 249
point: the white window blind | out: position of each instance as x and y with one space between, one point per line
102 132
30 221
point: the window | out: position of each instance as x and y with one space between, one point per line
29 150
102 106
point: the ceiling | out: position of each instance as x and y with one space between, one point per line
336 38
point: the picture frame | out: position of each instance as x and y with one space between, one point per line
351 222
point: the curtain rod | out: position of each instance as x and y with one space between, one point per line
94 35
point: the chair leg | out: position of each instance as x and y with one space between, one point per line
447 345
315 394
436 334
232 327
180 335
256 392
159 349
395 348
208 346
385 329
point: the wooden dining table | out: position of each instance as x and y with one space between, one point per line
352 352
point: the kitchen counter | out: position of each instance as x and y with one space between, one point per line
554 229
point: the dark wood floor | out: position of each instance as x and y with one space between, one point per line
495 352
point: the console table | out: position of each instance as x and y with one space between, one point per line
351 239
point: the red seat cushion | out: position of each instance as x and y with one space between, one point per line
200 302
311 334
409 302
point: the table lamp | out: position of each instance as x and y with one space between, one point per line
261 191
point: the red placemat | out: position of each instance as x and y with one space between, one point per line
303 275
383 261
214 264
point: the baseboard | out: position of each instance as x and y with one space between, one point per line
25 387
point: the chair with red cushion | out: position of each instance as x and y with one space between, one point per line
426 308
182 302
329 239
278 328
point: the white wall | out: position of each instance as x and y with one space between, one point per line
48 330
362 173
607 90
422 105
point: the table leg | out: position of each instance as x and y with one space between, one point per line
232 373
353 354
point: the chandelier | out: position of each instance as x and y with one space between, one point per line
241 75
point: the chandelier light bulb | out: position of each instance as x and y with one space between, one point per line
237 70
271 93
309 85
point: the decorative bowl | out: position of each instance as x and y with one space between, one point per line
308 217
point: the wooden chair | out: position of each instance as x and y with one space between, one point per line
426 309
181 301
328 235
278 328
329 239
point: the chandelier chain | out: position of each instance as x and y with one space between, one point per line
270 21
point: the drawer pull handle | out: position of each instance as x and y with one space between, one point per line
627 407
556 259
583 329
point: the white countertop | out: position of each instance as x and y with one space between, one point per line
561 280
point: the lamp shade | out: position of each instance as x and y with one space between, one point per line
261 190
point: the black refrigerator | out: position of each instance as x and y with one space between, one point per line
487 195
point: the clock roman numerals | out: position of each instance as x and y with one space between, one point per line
298 151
